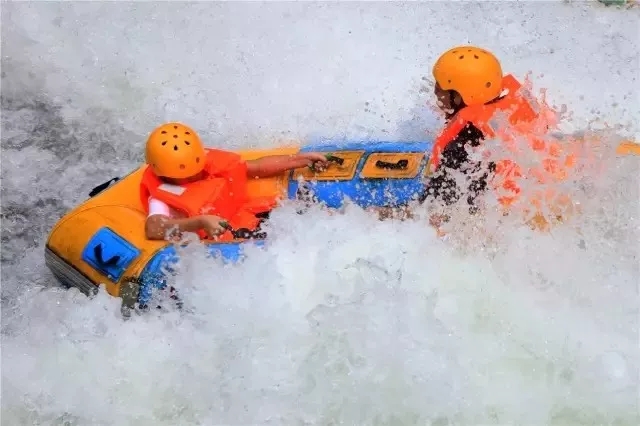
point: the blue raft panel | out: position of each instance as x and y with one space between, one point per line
372 173
154 274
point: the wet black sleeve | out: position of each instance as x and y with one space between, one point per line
442 185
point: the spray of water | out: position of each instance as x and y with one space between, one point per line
341 318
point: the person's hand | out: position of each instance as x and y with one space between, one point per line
213 225
316 160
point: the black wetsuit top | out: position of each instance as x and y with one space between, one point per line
442 187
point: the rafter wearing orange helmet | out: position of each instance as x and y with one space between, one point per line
189 188
482 104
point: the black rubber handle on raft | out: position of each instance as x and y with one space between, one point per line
334 159
399 165
243 233
98 189
113 261
330 158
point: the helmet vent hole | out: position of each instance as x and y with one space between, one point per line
164 143
476 56
175 147
449 81
182 167
175 136
187 143
175 127
187 133
461 57
197 159
488 84
164 132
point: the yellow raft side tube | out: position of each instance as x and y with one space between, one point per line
628 148
118 208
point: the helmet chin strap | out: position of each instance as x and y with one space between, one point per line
450 113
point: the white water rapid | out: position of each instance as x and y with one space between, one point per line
343 319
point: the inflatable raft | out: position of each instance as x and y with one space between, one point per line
102 241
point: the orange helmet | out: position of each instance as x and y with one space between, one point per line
175 151
471 71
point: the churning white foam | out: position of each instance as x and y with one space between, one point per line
341 318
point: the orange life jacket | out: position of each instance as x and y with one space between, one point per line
222 192
524 122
